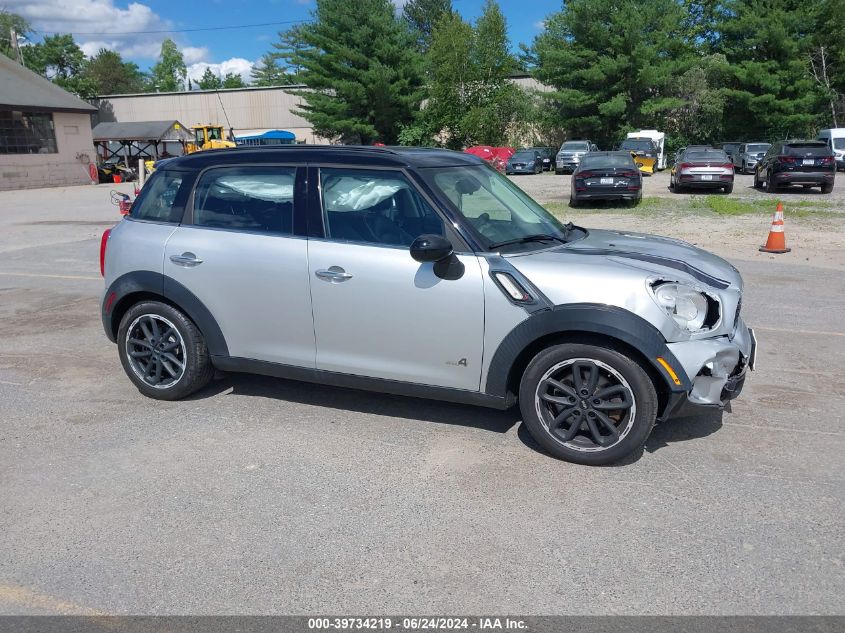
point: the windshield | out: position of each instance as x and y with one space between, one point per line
607 161
523 156
571 146
706 156
637 144
496 208
757 148
811 148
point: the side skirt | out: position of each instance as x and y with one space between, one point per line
380 385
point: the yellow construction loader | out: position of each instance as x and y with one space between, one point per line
208 137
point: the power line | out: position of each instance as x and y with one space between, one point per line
207 28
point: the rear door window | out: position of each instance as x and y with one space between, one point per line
258 199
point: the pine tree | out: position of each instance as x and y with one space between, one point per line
169 73
233 80
361 68
209 80
611 63
422 15
268 72
770 91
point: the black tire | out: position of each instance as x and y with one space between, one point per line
572 201
827 187
632 424
757 183
771 187
558 172
729 188
182 349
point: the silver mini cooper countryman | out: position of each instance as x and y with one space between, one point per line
419 272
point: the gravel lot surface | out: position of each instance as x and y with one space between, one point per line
269 496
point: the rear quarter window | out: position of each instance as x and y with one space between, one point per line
162 199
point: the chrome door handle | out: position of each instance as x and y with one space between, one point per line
334 274
189 260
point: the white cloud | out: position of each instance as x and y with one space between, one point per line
194 54
540 25
96 16
236 65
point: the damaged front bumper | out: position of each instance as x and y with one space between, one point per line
717 366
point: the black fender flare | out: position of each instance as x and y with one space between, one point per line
170 290
598 319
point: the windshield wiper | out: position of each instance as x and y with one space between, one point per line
539 237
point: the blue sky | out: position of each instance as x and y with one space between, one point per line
97 23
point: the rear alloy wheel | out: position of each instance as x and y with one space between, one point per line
729 188
587 404
827 187
162 351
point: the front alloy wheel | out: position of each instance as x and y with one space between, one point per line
587 404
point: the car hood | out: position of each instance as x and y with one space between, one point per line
651 253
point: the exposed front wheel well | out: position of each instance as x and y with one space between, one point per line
589 338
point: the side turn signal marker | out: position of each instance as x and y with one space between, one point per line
669 370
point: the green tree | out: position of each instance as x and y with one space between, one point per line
827 60
210 80
422 15
611 63
8 22
233 80
169 72
268 72
471 98
770 92
60 59
109 74
291 43
363 73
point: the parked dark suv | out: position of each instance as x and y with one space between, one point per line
807 163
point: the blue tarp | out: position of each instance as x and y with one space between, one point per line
269 135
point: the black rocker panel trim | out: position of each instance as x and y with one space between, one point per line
173 291
583 317
381 385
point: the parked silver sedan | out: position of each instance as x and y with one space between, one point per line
702 168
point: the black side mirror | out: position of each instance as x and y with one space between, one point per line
431 248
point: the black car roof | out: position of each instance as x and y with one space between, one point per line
352 155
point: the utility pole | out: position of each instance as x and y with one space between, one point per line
13 36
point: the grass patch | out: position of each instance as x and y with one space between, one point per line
725 205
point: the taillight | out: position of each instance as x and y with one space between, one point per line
787 159
104 241
728 166
826 160
685 165
628 174
585 174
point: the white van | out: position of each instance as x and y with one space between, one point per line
835 139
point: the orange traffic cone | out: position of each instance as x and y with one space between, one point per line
777 238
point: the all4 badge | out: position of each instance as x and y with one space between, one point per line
457 363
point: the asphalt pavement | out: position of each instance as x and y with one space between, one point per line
260 495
